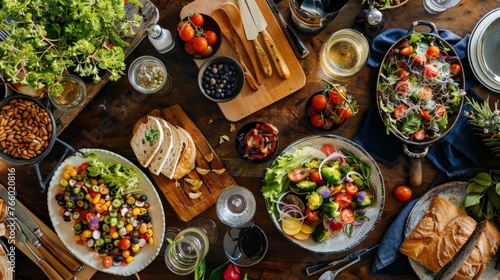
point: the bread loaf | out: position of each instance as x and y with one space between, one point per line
439 235
143 144
168 168
165 150
188 156
481 255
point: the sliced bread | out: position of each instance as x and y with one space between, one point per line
188 156
165 150
168 168
147 140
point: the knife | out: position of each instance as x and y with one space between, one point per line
272 48
56 264
355 257
299 48
24 217
252 32
451 268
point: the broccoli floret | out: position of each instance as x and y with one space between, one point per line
307 185
331 173
314 200
329 209
313 164
320 234
344 169
358 180
363 200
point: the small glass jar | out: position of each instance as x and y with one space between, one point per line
73 94
147 74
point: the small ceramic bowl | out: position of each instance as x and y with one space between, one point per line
221 78
241 143
147 74
330 124
209 24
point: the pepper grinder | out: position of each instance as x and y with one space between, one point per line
370 22
160 38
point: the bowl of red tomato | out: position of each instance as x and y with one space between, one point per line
328 109
199 35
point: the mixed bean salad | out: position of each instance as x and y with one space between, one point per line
109 213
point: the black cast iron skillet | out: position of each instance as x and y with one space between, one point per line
35 161
416 150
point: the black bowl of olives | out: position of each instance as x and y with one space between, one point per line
221 78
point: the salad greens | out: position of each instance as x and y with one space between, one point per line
114 174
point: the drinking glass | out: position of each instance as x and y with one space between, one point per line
236 206
207 225
188 249
439 6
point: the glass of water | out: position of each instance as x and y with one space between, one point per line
188 249
439 6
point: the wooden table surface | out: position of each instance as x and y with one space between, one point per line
108 120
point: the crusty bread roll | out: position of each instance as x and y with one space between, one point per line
481 255
439 235
145 150
188 156
162 156
3 210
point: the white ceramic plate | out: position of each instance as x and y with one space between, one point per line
455 193
473 50
340 242
65 229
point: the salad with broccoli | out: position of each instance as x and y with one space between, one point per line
334 185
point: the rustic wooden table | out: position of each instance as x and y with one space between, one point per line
107 122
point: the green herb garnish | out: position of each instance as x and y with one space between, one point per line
152 135
483 196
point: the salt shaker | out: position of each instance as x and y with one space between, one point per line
370 22
160 38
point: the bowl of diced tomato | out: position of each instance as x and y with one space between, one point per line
199 35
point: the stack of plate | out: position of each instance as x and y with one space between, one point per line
483 50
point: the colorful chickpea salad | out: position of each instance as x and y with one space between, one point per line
108 211
318 194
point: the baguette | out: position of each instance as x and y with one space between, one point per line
145 150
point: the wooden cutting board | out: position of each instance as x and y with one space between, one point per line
273 88
185 207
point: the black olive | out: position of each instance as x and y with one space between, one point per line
134 240
143 197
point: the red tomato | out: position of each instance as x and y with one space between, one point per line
188 48
402 74
337 97
455 70
297 174
420 59
400 111
425 115
419 135
402 193
406 51
232 272
425 93
339 121
197 19
124 244
334 225
186 32
314 216
344 112
200 44
351 188
319 102
402 87
107 261
347 216
328 149
440 111
315 177
328 124
211 37
208 51
317 120
430 71
432 52
343 199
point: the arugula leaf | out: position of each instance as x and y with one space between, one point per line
152 135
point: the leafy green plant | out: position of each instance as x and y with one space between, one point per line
487 122
51 37
483 196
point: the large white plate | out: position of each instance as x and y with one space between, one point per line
473 52
65 229
455 193
340 242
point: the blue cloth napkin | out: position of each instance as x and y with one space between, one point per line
454 155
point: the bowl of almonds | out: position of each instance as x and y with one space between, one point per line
27 130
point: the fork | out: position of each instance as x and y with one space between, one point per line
42 263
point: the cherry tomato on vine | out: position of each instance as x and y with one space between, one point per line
197 19
402 193
208 51
200 44
344 112
317 120
319 102
337 96
186 32
211 37
188 47
338 121
328 124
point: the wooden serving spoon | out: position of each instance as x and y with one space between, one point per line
221 17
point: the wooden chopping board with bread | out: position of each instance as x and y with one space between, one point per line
180 160
436 230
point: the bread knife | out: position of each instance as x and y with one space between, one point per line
451 268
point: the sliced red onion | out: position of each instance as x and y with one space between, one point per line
348 176
332 156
